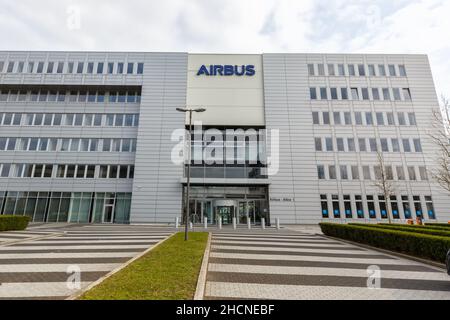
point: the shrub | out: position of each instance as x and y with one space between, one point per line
10 222
440 225
419 245
408 228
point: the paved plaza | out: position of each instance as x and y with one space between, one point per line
34 263
288 264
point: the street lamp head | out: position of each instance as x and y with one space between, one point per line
200 110
191 110
181 109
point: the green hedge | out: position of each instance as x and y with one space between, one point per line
440 225
10 222
407 228
419 245
428 227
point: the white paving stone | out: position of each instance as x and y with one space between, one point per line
39 289
287 244
268 248
92 255
74 247
75 241
57 267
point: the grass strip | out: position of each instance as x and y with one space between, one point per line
169 272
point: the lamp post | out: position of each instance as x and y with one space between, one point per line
186 215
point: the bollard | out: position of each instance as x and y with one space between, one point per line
177 222
263 223
220 222
205 222
277 221
190 225
234 223
249 223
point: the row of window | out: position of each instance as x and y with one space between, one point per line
81 207
351 207
92 96
329 144
353 172
358 94
68 144
81 171
364 118
362 70
78 67
70 119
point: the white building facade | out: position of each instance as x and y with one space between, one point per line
93 136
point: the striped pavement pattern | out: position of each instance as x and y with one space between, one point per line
300 266
39 268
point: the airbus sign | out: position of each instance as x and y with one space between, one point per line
226 70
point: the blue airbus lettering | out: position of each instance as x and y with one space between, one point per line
226 70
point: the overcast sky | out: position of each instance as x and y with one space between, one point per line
235 26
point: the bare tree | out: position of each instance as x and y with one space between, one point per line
439 135
384 182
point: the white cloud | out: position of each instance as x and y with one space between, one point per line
385 26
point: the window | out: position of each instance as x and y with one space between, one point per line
337 117
311 69
130 67
334 95
112 172
395 145
417 206
406 145
362 144
100 68
380 118
90 67
386 94
326 117
20 67
347 118
373 145
140 68
331 71
396 92
375 94
60 67
406 94
355 95
369 118
30 67
401 118
412 119
351 144
120 68
365 93
106 145
329 144
341 70
321 69
384 145
70 68
355 172
430 207
103 172
412 173
402 70
371 70
323 94
417 145
50 67
336 209
389 173
343 172
340 144
361 70
358 118
320 172
344 94
423 173
10 67
97 120
313 93
110 67
351 70
377 171
315 116
324 205
80 67
390 118
392 72
318 144
400 173
90 171
381 70
332 172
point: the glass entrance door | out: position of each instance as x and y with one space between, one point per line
226 212
108 210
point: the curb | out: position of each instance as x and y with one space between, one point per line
201 281
79 293
392 253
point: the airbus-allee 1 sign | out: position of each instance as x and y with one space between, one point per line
226 70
